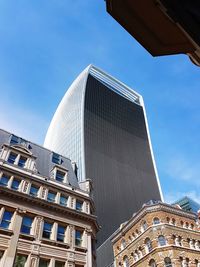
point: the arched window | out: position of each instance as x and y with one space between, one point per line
126 261
144 226
123 244
178 241
186 224
156 220
140 253
173 221
161 240
168 262
148 245
135 256
152 263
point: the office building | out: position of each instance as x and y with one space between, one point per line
46 216
188 204
158 235
101 125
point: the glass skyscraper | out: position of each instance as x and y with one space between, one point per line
101 125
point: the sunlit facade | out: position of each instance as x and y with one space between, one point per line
101 125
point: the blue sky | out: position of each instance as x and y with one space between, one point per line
45 44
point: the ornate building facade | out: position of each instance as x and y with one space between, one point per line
156 236
46 216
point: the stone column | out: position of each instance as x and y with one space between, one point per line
9 255
88 234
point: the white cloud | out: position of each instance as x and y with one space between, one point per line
184 168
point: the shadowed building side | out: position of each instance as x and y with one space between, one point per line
101 124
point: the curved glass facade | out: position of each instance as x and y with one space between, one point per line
101 124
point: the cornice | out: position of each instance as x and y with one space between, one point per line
150 209
49 206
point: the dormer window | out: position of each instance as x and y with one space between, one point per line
56 158
14 140
22 162
60 176
79 205
12 157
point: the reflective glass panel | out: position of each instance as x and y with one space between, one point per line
26 225
15 184
12 158
4 180
6 219
47 230
61 233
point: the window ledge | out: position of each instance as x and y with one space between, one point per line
55 243
82 249
6 231
26 236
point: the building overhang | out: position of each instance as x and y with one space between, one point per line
163 27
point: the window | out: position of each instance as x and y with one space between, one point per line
26 225
20 260
59 264
61 233
123 244
47 228
168 262
63 200
15 184
12 157
144 226
126 261
44 263
56 158
34 191
51 197
152 263
60 176
78 238
79 205
4 180
161 240
22 162
14 140
148 245
6 219
173 221
156 220
187 225
178 241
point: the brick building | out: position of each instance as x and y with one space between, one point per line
158 235
46 216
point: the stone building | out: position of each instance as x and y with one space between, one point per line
156 236
46 216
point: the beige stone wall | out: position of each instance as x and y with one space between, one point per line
179 230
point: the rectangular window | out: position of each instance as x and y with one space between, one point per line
26 225
15 184
59 264
14 140
4 180
51 197
20 260
44 263
61 233
34 191
78 238
63 200
79 205
22 162
12 157
6 219
56 158
60 176
47 228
